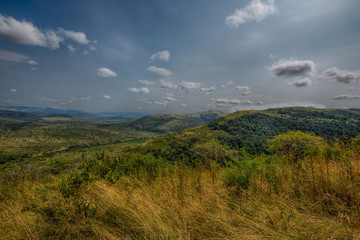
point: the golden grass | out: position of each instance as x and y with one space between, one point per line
184 204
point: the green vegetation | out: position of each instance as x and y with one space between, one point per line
192 184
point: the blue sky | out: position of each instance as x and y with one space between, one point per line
179 56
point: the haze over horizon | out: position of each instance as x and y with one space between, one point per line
179 56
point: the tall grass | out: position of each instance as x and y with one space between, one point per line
142 197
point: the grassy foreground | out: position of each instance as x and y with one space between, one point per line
139 196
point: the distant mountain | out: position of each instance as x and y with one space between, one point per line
164 123
42 111
17 115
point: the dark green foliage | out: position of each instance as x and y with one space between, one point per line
253 129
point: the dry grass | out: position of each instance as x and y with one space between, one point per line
180 204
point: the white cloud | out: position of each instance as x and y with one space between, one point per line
32 62
79 37
161 55
12 56
161 71
207 91
106 72
22 32
53 40
255 10
293 68
301 83
344 76
244 89
33 68
93 48
190 85
146 82
71 48
139 90
183 105
165 84
170 95
106 97
25 32
346 96
13 90
161 103
170 99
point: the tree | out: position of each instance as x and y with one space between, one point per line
296 145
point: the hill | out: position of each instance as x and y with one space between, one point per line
252 129
164 123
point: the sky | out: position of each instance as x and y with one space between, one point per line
167 56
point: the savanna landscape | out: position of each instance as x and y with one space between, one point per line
180 120
289 173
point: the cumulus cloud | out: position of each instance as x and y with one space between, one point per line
301 83
170 99
146 82
346 96
343 76
106 97
106 72
293 68
79 37
161 71
32 62
161 103
93 48
207 91
13 90
139 90
244 89
167 84
256 10
161 55
24 32
190 85
12 56
71 48
227 102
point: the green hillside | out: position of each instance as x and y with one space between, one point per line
252 129
73 182
164 123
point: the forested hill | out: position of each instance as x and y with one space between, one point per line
164 123
252 129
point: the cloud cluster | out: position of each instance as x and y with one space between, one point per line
167 84
139 90
79 37
189 85
25 32
293 68
106 72
207 91
244 89
301 83
255 10
161 56
146 82
346 96
343 76
161 71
